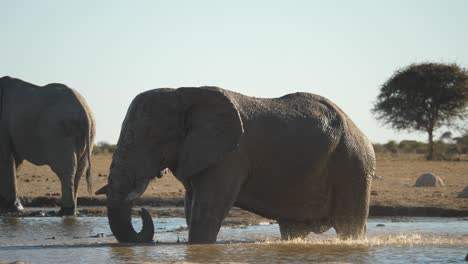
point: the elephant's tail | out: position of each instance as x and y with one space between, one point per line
89 149
88 133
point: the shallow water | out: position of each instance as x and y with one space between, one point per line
74 240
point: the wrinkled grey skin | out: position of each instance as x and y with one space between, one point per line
297 159
50 125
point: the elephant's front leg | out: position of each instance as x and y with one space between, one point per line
214 193
205 222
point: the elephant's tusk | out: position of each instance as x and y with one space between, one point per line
133 196
139 190
102 190
161 173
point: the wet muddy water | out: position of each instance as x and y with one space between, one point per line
89 240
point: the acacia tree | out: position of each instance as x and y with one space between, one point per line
424 97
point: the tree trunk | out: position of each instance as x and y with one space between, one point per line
430 154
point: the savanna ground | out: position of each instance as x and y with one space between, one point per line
393 186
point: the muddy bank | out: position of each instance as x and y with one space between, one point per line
46 201
164 207
236 217
379 210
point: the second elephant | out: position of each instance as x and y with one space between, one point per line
49 125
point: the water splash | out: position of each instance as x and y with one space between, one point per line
400 239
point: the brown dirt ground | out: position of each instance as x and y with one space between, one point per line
398 173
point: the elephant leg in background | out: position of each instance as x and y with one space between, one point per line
214 192
9 201
63 161
291 229
188 205
82 167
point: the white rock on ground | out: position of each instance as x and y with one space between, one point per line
429 180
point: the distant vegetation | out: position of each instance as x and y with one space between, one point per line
445 148
104 148
424 97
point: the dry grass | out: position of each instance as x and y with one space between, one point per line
37 181
399 174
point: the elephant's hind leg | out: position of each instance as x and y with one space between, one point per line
64 164
351 209
350 228
351 214
9 201
80 171
352 173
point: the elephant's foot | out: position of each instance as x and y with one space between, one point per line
203 232
66 211
347 229
10 207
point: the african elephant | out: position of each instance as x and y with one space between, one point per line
297 159
49 125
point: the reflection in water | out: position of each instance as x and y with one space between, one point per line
279 252
205 253
70 221
412 241
11 221
123 254
70 226
13 225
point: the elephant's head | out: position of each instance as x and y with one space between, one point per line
184 130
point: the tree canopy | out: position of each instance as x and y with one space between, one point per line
424 97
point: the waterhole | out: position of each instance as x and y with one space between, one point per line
89 240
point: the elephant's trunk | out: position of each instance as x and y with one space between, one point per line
120 222
122 190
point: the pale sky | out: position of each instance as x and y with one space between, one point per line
344 50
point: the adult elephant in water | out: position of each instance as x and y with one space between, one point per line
49 125
297 159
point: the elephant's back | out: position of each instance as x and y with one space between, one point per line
67 114
297 116
288 141
45 116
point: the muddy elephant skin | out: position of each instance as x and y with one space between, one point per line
297 159
45 125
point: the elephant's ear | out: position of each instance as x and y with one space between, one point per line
213 127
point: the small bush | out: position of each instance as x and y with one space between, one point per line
104 148
444 149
